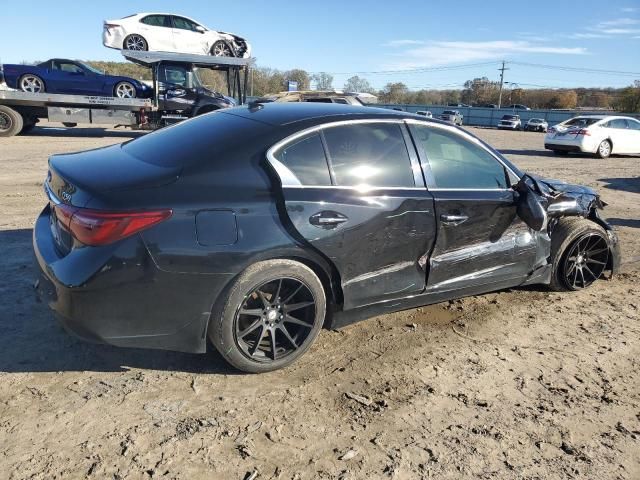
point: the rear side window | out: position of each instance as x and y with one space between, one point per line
372 154
305 157
156 21
456 162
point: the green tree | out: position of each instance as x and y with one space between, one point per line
630 99
357 84
300 76
394 93
323 81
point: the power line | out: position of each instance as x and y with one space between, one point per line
414 70
575 69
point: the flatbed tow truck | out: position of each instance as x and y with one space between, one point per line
170 103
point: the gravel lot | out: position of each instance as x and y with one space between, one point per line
522 384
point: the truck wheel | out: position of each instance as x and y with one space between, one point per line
11 122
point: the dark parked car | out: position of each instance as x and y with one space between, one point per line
517 106
254 227
60 75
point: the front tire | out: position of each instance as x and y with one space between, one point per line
135 42
124 90
222 49
604 149
579 253
31 84
272 314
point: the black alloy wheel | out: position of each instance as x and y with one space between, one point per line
585 261
275 319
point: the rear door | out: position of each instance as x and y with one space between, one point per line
354 192
621 135
480 240
158 32
634 134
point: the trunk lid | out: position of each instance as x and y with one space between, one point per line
74 179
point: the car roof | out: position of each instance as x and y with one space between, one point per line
288 113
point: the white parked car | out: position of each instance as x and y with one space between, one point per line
425 113
536 125
510 122
598 134
165 32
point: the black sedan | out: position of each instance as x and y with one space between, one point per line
255 226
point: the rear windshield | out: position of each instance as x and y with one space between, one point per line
194 140
581 122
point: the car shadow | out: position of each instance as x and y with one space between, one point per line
31 339
631 184
89 132
539 153
624 222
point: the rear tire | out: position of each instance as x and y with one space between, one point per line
579 253
135 42
31 84
604 149
270 316
11 122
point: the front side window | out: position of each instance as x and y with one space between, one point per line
67 67
372 154
305 157
457 163
184 24
156 21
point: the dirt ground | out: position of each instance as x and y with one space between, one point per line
520 384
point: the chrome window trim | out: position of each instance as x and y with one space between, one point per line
289 179
466 136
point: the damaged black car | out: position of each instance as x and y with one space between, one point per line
254 227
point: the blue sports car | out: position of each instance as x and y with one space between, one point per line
60 75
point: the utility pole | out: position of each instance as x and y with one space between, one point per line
501 70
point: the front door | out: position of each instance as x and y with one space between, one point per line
186 37
354 192
67 77
480 239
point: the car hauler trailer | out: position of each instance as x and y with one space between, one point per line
20 111
171 102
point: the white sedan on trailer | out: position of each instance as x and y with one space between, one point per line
165 32
598 134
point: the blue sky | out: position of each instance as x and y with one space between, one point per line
344 37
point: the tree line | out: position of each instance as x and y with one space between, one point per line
478 91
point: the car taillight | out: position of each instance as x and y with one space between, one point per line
583 131
98 227
110 25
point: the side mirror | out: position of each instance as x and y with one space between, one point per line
531 205
200 29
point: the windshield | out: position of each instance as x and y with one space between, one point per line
92 69
181 76
510 117
536 120
581 122
448 112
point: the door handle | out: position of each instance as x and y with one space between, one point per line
453 219
327 219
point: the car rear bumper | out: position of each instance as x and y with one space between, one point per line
117 295
562 147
